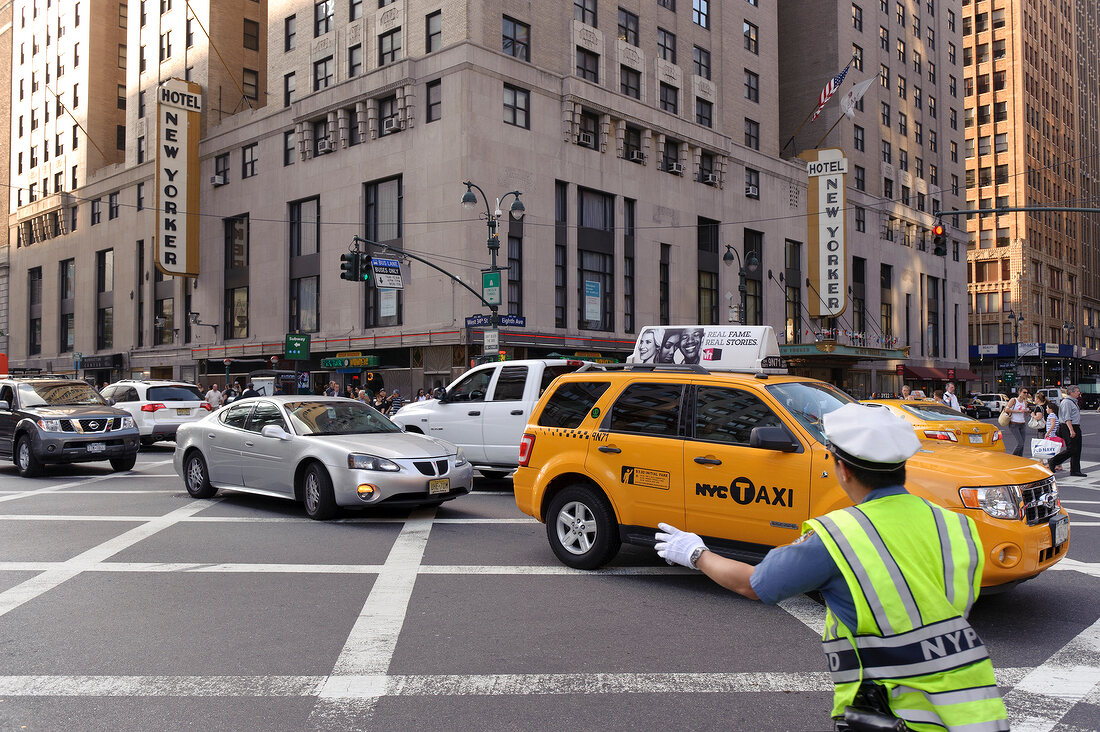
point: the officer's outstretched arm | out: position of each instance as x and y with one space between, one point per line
682 547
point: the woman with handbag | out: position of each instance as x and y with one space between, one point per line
1051 432
1017 410
1038 420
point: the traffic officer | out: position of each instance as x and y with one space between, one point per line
898 575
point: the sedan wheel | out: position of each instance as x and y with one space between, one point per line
581 527
197 477
317 494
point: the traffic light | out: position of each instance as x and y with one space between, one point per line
939 241
365 270
349 266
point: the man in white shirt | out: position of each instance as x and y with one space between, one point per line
214 397
950 399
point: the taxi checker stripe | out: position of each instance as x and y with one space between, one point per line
958 696
865 584
900 583
923 716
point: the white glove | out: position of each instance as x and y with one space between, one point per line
675 546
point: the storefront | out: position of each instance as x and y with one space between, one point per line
103 369
858 370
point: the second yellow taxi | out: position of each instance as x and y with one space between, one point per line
934 421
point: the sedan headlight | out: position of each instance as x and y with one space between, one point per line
358 461
999 501
50 425
127 423
460 458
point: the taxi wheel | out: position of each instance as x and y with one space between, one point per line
581 527
317 493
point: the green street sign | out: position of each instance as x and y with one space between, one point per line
349 362
1009 376
296 347
490 287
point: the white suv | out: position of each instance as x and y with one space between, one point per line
158 407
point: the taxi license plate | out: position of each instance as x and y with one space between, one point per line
1059 529
183 412
976 439
96 446
439 485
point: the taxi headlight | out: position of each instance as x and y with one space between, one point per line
460 458
50 425
127 423
999 501
358 461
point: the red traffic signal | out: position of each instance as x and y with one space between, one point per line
937 230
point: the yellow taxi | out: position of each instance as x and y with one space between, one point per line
727 446
935 421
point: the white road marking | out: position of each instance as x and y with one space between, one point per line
806 610
1079 512
1087 502
52 488
1090 568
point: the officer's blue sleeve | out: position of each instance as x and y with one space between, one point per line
794 569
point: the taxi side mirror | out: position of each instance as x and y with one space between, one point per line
772 438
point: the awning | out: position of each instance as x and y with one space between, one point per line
925 372
966 375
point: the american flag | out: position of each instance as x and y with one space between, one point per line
829 90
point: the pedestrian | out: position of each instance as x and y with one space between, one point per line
1039 414
362 396
1069 429
278 389
214 397
421 396
950 399
351 392
396 401
250 391
906 391
382 402
898 575
1018 410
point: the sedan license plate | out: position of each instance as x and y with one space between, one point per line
439 485
975 439
183 412
1059 530
96 446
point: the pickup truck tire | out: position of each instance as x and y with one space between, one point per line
29 465
196 476
317 494
581 528
121 464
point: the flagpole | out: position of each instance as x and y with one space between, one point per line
842 116
811 114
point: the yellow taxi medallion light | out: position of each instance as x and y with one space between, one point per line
740 348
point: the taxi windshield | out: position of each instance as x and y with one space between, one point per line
57 394
808 402
935 413
343 417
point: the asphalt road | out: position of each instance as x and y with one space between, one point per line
126 605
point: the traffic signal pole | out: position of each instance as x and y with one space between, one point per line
401 253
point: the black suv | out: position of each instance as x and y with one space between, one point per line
62 421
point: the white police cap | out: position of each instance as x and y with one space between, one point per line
871 438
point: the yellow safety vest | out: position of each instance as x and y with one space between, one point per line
913 569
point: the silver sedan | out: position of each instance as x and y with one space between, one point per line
323 451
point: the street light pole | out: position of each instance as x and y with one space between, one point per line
751 264
492 218
1016 320
1068 328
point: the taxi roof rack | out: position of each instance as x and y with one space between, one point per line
693 368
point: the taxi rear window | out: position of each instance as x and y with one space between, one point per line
935 413
570 403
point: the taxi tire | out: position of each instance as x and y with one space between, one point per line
590 502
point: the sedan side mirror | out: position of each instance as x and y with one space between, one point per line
772 438
274 430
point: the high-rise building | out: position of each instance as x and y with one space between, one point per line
903 145
1031 140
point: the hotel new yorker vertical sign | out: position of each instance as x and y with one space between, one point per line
179 105
827 222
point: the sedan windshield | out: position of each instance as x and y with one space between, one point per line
808 402
935 413
343 417
58 393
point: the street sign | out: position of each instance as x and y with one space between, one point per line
350 362
296 347
387 273
1009 377
492 340
476 321
77 357
490 287
513 321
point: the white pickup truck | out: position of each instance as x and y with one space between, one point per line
485 410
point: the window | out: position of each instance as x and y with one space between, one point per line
97 210
752 183
355 60
666 45
630 82
288 89
121 96
140 196
700 13
861 219
389 47
433 31
434 91
322 73
290 32
221 167
857 17
355 10
752 86
885 114
670 4
250 83
251 35
34 299
304 304
861 178
701 61
190 33
669 98
322 17
704 112
387 115
859 139
515 282
248 160
516 106
857 56
752 37
165 45
588 65
585 11
517 39
236 312
595 296
589 130
752 134
628 27
728 416
112 205
288 147
884 38
305 227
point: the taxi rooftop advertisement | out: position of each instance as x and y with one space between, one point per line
719 348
